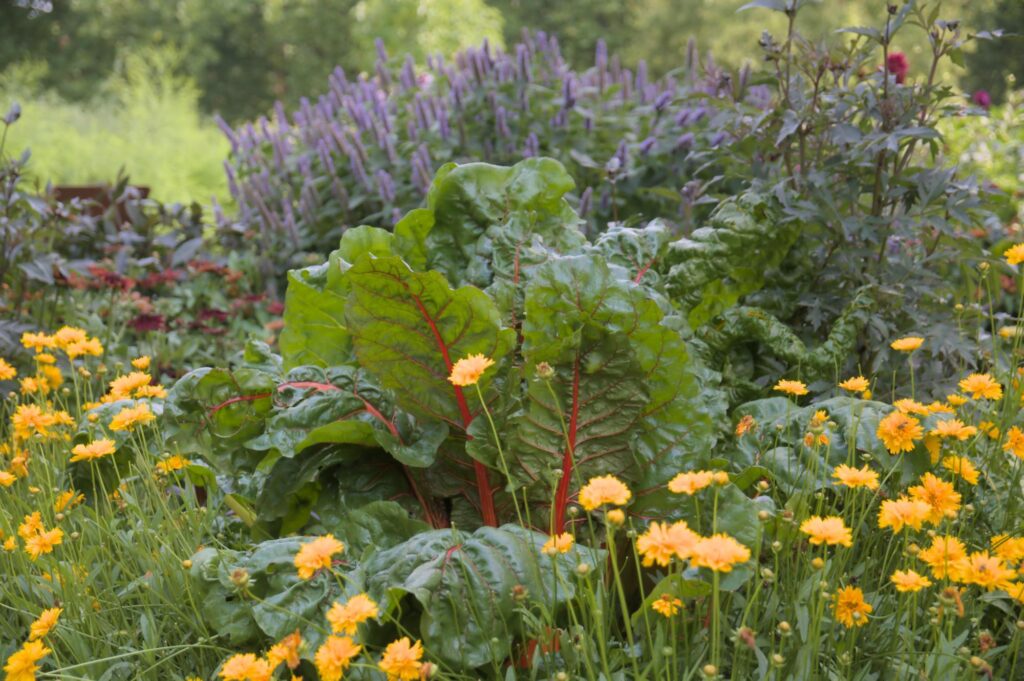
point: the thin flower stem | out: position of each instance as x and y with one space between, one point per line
501 453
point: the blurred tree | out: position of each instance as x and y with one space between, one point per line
244 54
241 54
995 62
578 24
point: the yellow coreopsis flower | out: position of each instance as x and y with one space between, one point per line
335 656
1010 549
831 531
719 553
96 449
23 664
141 363
66 500
43 542
316 555
982 386
172 463
907 343
129 417
604 489
794 388
91 347
345 619
69 335
909 406
850 608
666 605
940 495
1014 255
903 512
1014 442
954 429
986 571
856 384
559 543
286 650
44 624
401 660
898 432
7 372
29 419
745 425
945 556
908 581
124 387
39 342
691 482
246 667
468 370
963 467
662 542
855 477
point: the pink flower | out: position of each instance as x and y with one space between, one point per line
898 65
982 98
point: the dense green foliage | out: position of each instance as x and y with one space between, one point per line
557 384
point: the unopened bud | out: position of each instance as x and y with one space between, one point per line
817 563
615 517
545 371
240 578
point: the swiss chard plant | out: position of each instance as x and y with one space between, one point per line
594 375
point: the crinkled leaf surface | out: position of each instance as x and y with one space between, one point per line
464 586
409 328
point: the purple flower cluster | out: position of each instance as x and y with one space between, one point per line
367 150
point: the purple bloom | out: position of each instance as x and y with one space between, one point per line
982 98
585 201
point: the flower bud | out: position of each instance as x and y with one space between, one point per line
545 371
583 569
710 671
763 516
817 563
240 578
187 564
615 517
778 660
